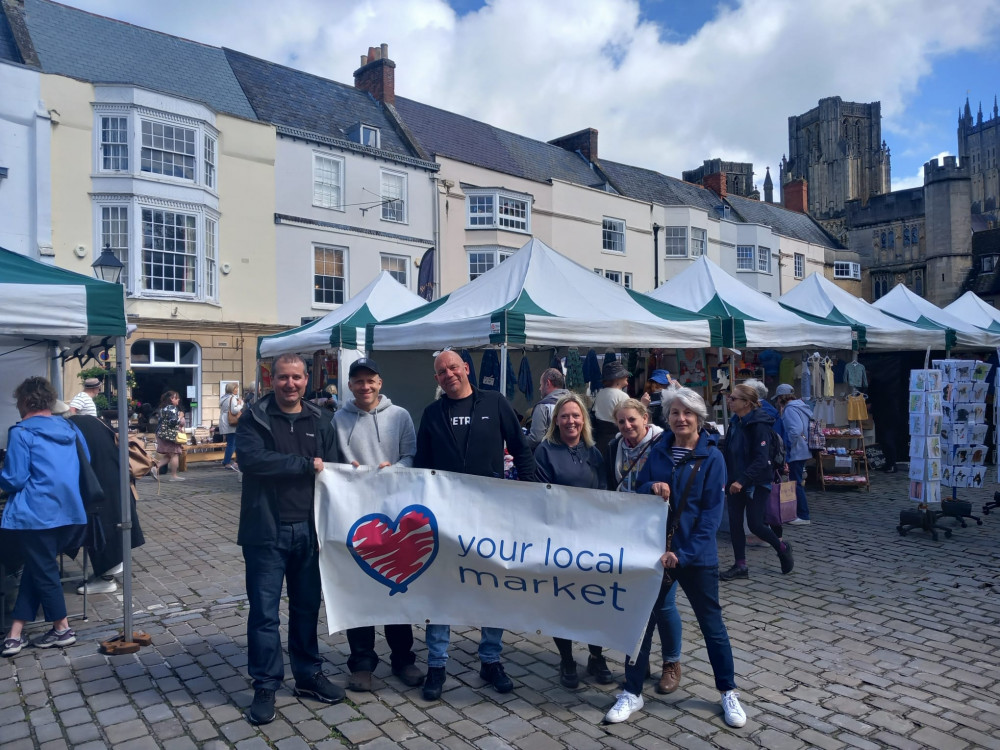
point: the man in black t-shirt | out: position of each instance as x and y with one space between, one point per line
466 431
284 442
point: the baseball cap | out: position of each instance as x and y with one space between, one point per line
363 364
784 390
660 376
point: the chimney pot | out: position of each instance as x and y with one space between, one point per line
371 53
384 51
364 60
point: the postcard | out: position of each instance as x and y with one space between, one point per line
918 424
964 369
978 476
946 473
978 433
933 466
933 425
917 491
947 411
933 403
979 390
963 391
962 455
917 402
960 476
917 468
981 371
978 454
933 447
978 414
918 445
959 433
935 380
932 491
918 380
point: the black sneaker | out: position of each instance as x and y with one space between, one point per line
568 677
597 667
12 646
320 688
433 683
261 711
493 673
785 556
737 571
56 638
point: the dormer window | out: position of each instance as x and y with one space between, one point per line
369 136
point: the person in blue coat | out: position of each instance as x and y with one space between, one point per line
795 416
686 469
42 476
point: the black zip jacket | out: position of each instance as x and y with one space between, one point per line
264 468
748 458
494 423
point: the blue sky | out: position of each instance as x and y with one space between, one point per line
668 83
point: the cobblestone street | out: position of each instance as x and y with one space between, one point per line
874 641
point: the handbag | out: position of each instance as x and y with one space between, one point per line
817 440
676 515
231 418
182 438
781 504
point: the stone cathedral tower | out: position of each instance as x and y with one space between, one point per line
837 149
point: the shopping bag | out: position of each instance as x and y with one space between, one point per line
781 505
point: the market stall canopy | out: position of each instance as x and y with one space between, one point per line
909 307
538 297
819 299
748 317
344 328
39 301
972 308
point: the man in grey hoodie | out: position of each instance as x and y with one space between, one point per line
372 431
552 386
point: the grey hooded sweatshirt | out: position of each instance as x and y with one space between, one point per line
370 437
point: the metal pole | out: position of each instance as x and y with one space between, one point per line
125 489
503 369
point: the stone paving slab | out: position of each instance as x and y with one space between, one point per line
875 640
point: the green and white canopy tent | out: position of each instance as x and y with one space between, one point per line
343 329
748 318
538 298
46 312
972 308
909 307
819 299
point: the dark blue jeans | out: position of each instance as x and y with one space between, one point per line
796 472
701 586
40 584
230 447
294 559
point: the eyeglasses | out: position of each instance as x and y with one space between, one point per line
736 398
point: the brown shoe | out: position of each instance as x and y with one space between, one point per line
360 682
671 678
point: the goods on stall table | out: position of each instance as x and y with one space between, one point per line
843 461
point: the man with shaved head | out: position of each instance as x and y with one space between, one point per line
465 431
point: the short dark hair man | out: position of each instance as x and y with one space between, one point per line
465 431
283 442
552 387
372 431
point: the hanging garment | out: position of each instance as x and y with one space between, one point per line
511 379
857 409
828 378
786 371
838 370
467 358
574 371
525 382
806 381
556 361
816 369
770 360
592 372
856 375
489 371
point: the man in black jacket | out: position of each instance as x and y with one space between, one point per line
283 443
465 431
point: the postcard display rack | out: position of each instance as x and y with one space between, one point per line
948 430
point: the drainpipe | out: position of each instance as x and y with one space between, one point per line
656 255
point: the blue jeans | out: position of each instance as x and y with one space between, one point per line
40 584
294 559
796 472
439 636
701 586
230 447
668 623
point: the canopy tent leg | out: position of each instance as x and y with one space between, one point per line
503 369
725 401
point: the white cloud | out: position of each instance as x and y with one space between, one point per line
916 180
545 69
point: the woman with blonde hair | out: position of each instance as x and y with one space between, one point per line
568 456
230 405
748 465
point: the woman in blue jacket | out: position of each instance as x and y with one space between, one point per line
686 469
42 476
795 416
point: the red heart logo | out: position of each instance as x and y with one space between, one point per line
395 553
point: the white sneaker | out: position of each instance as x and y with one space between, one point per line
624 707
117 570
732 710
800 522
98 585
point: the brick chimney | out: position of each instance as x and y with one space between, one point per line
795 196
584 141
377 74
716 182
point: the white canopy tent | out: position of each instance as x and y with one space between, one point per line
749 318
909 307
343 329
972 308
820 299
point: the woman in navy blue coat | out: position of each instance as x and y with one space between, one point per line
687 459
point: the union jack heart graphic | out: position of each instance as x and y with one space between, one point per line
395 553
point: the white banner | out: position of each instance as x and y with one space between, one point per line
417 546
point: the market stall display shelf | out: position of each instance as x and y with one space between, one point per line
843 463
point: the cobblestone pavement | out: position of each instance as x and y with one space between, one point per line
875 640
